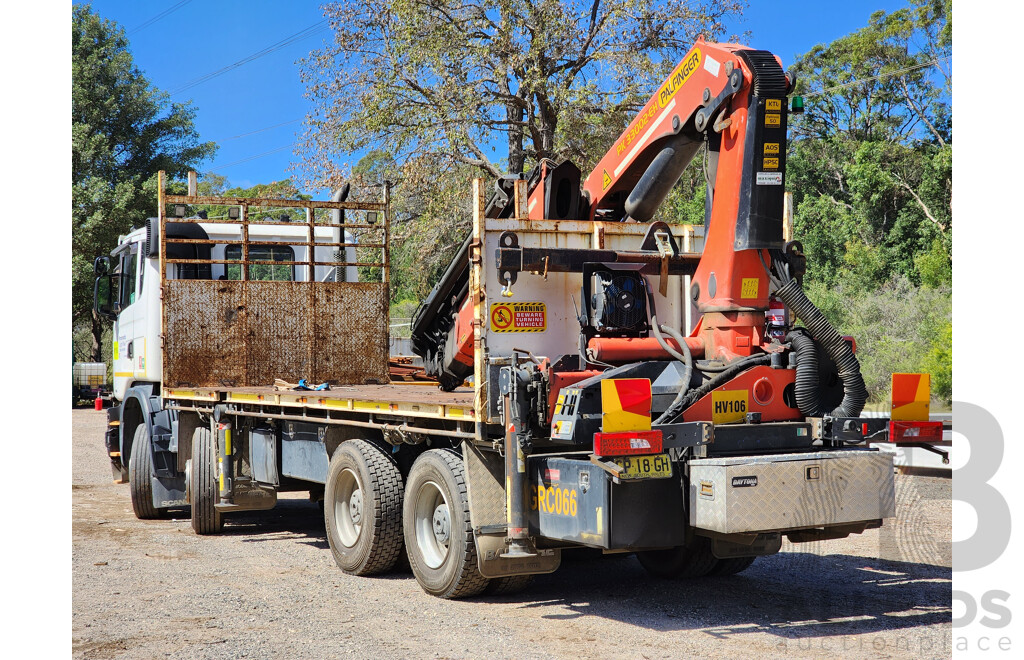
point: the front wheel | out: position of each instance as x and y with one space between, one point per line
140 476
363 508
438 532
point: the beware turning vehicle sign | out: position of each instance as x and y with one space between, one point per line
519 317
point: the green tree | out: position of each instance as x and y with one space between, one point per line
879 82
444 83
939 363
123 130
870 166
457 90
870 162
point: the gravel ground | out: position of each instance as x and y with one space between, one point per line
268 587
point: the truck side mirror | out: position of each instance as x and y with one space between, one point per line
105 296
101 266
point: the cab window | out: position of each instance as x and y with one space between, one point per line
265 272
129 269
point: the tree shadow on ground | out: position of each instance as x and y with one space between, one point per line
290 521
791 595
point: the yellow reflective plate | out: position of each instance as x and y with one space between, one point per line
656 466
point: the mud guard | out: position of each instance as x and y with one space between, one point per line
485 476
168 484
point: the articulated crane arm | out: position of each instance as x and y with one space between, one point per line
734 100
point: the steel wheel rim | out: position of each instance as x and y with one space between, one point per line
348 507
432 522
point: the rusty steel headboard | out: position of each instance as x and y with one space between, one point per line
247 332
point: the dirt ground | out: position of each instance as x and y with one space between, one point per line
268 587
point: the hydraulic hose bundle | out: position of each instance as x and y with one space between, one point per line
686 358
691 397
855 393
804 343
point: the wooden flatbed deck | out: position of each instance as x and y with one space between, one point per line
404 399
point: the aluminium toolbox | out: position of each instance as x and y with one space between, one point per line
744 494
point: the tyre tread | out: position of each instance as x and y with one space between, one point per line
468 580
386 489
140 474
205 517
732 566
690 561
511 584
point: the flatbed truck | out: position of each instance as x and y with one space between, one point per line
590 420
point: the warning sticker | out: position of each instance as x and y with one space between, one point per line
606 180
730 406
772 119
711 65
771 163
773 105
562 427
769 178
519 317
771 148
749 287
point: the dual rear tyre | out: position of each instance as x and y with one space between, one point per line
203 486
363 508
371 513
438 532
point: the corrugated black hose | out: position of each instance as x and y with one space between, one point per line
855 393
808 395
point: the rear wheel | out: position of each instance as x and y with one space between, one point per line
438 533
363 508
685 561
732 566
140 476
203 487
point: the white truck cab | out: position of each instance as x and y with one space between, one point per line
135 270
128 291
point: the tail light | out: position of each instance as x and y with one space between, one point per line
628 443
915 431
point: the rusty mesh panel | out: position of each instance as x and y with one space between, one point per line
204 334
279 318
246 334
355 346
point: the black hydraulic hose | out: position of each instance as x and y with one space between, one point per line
687 361
808 395
855 393
686 358
733 370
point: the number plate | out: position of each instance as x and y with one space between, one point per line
656 466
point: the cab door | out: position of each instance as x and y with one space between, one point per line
125 352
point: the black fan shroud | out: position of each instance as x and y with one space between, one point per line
621 302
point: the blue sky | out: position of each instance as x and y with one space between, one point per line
199 38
